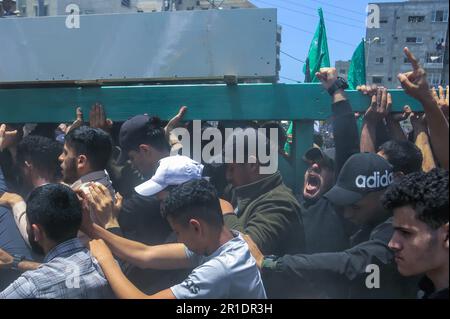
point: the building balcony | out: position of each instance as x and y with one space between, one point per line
433 65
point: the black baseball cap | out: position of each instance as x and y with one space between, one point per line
325 156
362 174
131 134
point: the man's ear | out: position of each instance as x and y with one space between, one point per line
37 232
144 148
82 161
196 225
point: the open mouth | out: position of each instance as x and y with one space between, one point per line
313 184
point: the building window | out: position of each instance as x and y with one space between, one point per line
434 79
379 60
416 19
434 57
24 11
383 20
342 71
377 79
414 40
440 16
126 3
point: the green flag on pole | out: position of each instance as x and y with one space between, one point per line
287 146
318 55
357 72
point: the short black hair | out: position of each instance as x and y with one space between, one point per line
427 193
94 143
57 209
42 152
194 199
404 156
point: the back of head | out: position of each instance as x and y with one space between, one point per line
56 208
426 193
404 156
193 200
42 153
94 143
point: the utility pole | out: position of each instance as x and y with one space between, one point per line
446 61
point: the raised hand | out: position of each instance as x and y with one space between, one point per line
97 118
77 123
175 120
327 77
442 99
7 138
415 82
380 106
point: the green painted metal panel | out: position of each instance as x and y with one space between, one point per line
208 102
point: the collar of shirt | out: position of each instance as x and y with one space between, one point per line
98 176
237 239
429 291
66 248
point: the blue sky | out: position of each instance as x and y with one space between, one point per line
345 23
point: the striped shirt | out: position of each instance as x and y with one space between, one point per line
69 272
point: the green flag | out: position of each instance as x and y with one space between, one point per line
318 55
287 146
357 72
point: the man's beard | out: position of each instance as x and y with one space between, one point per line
70 172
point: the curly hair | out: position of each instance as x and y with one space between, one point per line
427 193
193 200
42 152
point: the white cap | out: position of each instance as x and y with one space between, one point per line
172 170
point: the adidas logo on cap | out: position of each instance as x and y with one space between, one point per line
375 181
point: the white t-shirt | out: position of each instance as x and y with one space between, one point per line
229 273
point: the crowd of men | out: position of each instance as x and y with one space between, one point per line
108 210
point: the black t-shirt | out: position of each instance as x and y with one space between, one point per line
428 291
140 220
325 229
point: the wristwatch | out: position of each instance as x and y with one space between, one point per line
272 263
17 259
339 84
